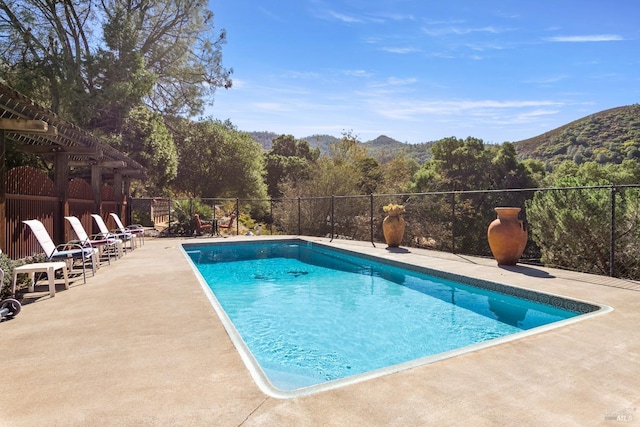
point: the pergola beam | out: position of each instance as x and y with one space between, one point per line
116 164
46 149
22 125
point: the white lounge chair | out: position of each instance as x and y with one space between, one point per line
135 229
68 252
124 236
104 244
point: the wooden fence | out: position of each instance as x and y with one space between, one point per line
31 194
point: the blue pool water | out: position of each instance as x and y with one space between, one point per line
310 314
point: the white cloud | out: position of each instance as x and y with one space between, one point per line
460 30
357 73
301 75
481 47
381 87
395 81
587 38
400 50
529 116
415 110
547 80
399 17
344 18
269 106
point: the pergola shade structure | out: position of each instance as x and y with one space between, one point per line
37 130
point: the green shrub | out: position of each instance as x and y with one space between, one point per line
246 220
183 222
7 265
143 218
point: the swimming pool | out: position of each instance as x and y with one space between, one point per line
306 317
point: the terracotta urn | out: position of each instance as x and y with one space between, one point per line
507 236
393 227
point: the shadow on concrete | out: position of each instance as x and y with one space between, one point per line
398 250
529 271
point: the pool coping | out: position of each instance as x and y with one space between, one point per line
139 344
585 310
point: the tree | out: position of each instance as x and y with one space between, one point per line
397 175
288 160
464 165
217 160
456 165
92 62
572 227
337 174
146 139
506 171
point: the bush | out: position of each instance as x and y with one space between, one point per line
246 220
7 265
183 222
143 218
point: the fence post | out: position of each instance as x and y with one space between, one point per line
612 239
169 225
237 216
271 216
299 229
332 217
371 218
453 222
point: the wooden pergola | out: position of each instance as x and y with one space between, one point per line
37 130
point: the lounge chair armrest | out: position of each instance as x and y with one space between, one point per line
135 228
79 243
73 244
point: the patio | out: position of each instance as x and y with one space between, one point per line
139 344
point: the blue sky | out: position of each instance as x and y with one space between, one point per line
419 70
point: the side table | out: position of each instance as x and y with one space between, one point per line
45 267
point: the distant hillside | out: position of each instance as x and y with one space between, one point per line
382 148
385 149
609 136
264 138
323 142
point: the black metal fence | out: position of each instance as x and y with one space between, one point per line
588 229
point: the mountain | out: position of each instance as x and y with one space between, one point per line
382 148
609 136
385 149
323 142
264 138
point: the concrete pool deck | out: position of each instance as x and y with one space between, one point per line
140 345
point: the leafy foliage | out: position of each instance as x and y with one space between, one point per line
609 136
94 61
471 165
146 139
573 227
7 265
183 222
288 160
116 68
464 165
216 160
385 149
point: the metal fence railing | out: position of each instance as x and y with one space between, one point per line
588 229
